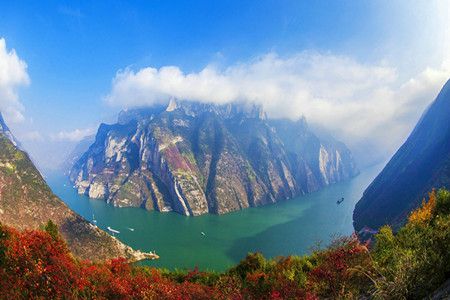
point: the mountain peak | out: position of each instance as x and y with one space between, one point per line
172 104
3 126
196 158
5 130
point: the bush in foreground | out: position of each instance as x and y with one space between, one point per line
410 264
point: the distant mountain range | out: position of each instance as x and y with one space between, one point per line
195 158
80 148
26 202
421 164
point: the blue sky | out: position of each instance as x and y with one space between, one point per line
74 50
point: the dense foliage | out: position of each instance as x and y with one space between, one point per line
409 264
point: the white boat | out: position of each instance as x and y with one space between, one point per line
112 230
202 233
130 229
94 221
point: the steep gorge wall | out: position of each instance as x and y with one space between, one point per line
196 159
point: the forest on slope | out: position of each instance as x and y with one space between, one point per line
409 264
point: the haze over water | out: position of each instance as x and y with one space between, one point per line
290 227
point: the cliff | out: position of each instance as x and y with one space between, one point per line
196 158
421 163
26 202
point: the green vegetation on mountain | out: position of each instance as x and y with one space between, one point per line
196 158
26 202
410 264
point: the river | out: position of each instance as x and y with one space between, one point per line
213 242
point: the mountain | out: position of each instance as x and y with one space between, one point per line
195 158
80 148
6 132
421 163
26 202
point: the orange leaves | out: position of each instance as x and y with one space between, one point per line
36 265
424 213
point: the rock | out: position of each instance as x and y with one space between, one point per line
442 293
6 132
421 164
97 190
27 202
195 158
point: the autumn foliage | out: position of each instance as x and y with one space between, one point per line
36 264
424 213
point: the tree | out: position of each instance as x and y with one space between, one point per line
52 229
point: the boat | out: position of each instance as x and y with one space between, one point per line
130 229
94 221
202 233
112 230
340 201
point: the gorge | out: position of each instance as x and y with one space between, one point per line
195 158
27 202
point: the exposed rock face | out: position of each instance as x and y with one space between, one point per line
26 201
6 132
197 158
421 163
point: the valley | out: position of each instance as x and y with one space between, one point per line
292 226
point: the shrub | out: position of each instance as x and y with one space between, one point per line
52 229
337 271
409 264
415 261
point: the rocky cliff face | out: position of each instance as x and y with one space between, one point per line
421 163
27 202
197 158
6 132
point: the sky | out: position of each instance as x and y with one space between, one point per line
364 70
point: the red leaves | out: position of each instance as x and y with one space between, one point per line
335 273
35 264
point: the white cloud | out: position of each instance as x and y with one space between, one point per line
353 99
13 74
299 82
72 136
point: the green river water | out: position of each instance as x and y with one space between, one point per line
289 227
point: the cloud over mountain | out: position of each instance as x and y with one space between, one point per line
13 75
354 99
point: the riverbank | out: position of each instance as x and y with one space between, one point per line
290 227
